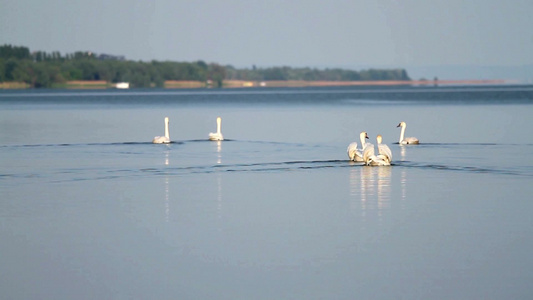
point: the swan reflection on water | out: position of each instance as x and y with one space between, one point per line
383 187
402 152
219 182
167 200
167 154
370 189
403 183
219 199
219 152
167 189
403 176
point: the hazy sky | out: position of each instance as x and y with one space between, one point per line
315 33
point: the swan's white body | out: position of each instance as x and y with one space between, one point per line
163 139
384 151
384 157
355 154
407 140
217 136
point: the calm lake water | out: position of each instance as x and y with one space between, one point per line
90 209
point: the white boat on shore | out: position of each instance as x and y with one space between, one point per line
122 85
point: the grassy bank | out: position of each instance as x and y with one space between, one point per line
14 85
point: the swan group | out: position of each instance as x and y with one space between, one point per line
384 158
367 154
213 136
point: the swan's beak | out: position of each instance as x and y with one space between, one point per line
399 125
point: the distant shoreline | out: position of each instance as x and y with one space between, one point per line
302 83
188 84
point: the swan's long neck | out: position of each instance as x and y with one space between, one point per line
167 135
402 134
362 138
219 122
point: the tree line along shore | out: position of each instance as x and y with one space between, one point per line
22 68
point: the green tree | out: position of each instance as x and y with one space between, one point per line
217 74
9 51
2 70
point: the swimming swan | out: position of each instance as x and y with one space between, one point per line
384 151
384 157
217 136
408 140
163 139
353 153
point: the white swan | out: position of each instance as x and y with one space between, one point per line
408 140
371 159
384 151
353 153
163 139
217 136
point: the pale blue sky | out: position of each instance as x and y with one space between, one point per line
332 33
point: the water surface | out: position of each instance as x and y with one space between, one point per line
91 209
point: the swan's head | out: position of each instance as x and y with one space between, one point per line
219 119
363 135
402 124
166 119
379 138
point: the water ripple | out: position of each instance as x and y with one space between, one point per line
287 166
